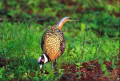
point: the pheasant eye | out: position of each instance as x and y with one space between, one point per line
41 60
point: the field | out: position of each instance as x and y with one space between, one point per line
92 43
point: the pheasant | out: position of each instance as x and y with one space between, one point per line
53 43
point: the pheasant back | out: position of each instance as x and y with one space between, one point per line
53 42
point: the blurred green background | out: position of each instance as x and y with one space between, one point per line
94 13
23 22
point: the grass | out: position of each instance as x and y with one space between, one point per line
94 37
20 43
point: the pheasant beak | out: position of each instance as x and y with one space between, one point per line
40 66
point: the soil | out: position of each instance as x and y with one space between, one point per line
91 71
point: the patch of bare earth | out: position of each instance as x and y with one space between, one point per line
91 71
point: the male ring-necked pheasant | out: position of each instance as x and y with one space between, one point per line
53 43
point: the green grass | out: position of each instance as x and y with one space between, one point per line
20 41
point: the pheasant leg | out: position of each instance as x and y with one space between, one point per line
55 62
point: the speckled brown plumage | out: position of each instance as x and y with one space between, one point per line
53 42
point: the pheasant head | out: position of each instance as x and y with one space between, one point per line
42 60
